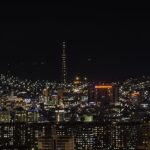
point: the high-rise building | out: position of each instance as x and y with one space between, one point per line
106 94
60 142
46 94
91 93
55 142
64 67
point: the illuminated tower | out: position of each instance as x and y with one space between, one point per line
64 69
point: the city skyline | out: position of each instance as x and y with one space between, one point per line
74 76
102 44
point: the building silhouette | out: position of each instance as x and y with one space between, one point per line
75 136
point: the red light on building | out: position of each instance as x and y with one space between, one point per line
103 87
103 94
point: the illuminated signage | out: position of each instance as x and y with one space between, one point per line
103 87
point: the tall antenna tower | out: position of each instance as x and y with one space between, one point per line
64 67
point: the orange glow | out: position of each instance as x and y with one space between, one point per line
135 94
103 86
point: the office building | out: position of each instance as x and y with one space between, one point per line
105 94
56 142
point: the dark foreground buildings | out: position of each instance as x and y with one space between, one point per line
86 136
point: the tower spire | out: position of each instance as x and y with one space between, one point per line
64 69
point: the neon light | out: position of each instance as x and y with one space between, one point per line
103 87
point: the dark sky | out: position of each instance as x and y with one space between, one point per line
102 44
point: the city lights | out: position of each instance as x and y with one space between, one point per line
74 76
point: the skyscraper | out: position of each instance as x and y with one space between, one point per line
64 69
106 94
56 142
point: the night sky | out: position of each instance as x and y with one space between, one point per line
103 44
